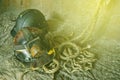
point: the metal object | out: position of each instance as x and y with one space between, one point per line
22 53
29 18
30 44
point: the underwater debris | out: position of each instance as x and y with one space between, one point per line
76 59
68 50
53 67
30 45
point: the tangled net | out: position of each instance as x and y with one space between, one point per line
72 57
68 51
75 59
52 67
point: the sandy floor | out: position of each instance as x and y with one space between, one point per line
105 67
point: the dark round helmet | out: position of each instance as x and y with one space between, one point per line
29 18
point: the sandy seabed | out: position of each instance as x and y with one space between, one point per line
106 65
